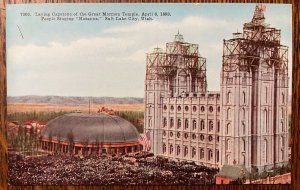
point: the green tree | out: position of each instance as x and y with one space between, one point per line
20 139
134 117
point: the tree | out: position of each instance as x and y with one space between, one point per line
135 117
36 139
31 139
20 139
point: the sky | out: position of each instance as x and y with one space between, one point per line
108 58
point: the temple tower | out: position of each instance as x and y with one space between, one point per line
177 72
254 92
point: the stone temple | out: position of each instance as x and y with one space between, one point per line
245 123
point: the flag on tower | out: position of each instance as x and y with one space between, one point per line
262 7
145 140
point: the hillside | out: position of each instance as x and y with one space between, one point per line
71 101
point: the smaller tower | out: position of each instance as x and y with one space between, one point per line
178 71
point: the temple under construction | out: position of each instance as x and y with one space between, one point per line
243 124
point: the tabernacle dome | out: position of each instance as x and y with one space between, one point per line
82 133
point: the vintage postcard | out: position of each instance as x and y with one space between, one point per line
131 94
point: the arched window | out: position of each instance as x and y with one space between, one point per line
282 154
218 126
150 122
282 97
186 135
228 98
179 108
194 124
178 123
228 128
164 148
244 128
244 159
202 125
228 159
201 137
178 150
244 97
149 110
185 151
228 145
265 115
171 122
193 152
210 154
211 125
186 108
171 149
282 141
243 113
282 126
202 109
165 122
228 113
194 108
266 94
217 155
201 153
172 108
266 150
282 113
186 123
193 136
243 145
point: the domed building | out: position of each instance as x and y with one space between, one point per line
81 133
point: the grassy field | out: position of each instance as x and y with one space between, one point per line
12 108
17 107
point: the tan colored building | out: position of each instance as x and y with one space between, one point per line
243 124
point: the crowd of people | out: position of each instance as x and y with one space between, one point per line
135 169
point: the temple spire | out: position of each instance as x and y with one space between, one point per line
178 37
258 16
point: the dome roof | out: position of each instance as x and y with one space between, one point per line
90 128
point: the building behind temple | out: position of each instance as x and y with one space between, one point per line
243 124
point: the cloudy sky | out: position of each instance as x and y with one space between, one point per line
107 58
